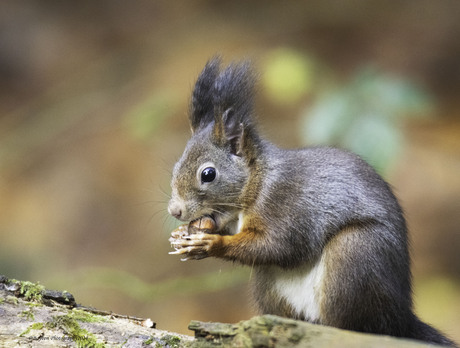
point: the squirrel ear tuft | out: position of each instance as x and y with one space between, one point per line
233 130
201 107
224 99
232 100
229 131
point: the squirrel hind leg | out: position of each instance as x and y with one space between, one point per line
367 282
367 286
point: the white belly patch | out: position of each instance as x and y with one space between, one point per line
240 222
301 288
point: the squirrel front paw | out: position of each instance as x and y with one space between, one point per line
194 240
194 246
180 232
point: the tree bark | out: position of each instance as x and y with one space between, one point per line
31 316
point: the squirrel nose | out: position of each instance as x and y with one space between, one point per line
175 210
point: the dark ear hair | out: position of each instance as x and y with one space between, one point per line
233 131
232 100
234 88
201 106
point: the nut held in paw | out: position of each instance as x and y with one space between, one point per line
205 224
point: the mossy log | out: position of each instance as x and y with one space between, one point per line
274 331
31 316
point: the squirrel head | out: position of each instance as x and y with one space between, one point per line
210 177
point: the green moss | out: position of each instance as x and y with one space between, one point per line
30 291
149 341
71 328
69 324
28 314
34 326
12 300
171 341
66 293
86 317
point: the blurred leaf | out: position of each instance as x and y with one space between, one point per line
364 116
326 119
391 95
288 75
145 118
374 138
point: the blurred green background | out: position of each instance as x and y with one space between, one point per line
93 115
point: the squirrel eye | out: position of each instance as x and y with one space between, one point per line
208 174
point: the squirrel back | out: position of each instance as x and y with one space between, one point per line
323 231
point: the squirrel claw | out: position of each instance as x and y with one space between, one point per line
180 232
176 241
193 247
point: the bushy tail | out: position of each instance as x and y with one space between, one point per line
425 332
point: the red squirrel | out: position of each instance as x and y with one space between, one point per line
323 231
